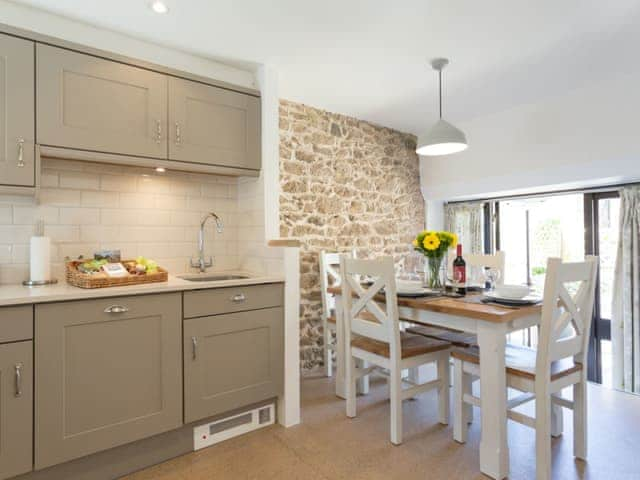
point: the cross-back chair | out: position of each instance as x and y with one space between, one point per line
373 336
330 277
559 362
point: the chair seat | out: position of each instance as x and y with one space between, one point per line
521 362
412 345
456 338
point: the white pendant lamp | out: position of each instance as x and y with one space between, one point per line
443 138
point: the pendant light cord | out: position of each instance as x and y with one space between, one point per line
440 89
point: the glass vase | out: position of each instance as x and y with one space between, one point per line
436 273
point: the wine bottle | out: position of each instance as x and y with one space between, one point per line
460 272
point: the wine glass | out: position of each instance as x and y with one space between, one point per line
492 275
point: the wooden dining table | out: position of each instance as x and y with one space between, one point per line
492 324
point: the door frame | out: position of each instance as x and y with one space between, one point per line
600 328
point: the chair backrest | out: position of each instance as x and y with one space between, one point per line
569 292
497 261
330 277
362 314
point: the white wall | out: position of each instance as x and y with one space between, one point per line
588 136
56 26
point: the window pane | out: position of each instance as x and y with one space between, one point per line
555 228
608 219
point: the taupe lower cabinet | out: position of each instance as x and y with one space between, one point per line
89 103
108 372
16 408
17 118
232 360
212 125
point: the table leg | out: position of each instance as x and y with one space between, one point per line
494 450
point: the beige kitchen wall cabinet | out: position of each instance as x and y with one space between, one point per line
213 125
17 118
232 360
108 372
16 408
89 103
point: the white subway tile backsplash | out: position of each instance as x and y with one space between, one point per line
85 181
99 199
99 233
5 253
12 234
6 214
116 216
136 200
79 216
59 197
62 233
89 206
118 183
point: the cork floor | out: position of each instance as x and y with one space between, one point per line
327 445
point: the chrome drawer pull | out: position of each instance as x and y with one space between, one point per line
158 131
239 298
20 152
194 345
116 309
18 380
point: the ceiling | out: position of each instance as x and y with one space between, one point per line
369 58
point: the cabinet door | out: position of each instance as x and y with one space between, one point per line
108 372
232 360
214 126
17 119
89 103
16 408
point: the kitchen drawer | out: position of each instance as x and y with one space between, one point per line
16 323
214 301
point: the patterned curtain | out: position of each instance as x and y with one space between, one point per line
625 324
465 219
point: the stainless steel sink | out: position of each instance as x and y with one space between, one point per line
211 278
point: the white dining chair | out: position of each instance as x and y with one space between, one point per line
373 337
329 277
542 374
495 261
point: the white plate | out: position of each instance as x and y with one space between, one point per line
528 300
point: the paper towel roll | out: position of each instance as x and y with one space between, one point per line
40 259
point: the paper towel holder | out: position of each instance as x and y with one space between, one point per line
39 232
39 283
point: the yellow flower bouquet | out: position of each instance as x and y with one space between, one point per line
434 245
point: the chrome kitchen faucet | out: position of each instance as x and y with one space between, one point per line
202 264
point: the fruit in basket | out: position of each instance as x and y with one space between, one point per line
145 265
92 266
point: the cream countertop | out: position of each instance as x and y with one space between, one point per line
60 292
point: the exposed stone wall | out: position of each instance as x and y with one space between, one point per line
345 184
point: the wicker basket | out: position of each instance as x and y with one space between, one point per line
101 280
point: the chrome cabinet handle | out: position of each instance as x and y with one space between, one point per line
116 309
194 348
239 298
18 380
20 152
178 134
158 131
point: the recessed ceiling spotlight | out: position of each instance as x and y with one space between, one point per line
160 169
159 7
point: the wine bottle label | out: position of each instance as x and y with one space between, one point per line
460 274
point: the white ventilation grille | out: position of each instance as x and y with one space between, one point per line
226 428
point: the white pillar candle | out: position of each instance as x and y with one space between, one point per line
40 259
